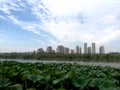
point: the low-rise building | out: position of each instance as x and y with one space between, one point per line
72 51
49 49
66 50
40 50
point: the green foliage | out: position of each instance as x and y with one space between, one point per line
80 82
4 82
31 89
35 77
53 76
111 57
15 87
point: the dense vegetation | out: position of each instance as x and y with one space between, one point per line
53 76
111 57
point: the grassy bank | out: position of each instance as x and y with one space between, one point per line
68 57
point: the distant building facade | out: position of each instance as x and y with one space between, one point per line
49 49
93 48
66 50
89 50
102 50
53 51
71 51
80 50
85 48
60 49
40 50
77 50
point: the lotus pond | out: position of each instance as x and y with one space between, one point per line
57 76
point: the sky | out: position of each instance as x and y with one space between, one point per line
26 25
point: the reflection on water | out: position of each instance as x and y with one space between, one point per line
113 64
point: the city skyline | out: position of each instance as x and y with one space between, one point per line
29 24
86 49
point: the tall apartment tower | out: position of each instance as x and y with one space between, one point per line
80 50
60 49
93 48
85 48
66 50
102 50
89 50
77 49
49 49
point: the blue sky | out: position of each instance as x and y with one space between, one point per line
26 25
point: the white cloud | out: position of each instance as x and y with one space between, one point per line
70 7
16 49
63 19
71 32
108 19
32 27
38 41
7 6
108 35
2 17
14 19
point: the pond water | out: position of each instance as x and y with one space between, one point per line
112 64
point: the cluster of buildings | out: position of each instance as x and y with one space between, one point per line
78 50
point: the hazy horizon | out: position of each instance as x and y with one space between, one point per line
26 25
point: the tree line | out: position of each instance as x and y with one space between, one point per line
110 57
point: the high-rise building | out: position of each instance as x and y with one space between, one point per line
102 50
89 50
49 49
93 48
60 49
40 50
77 49
85 48
72 51
66 50
80 50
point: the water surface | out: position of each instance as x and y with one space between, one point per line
112 64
